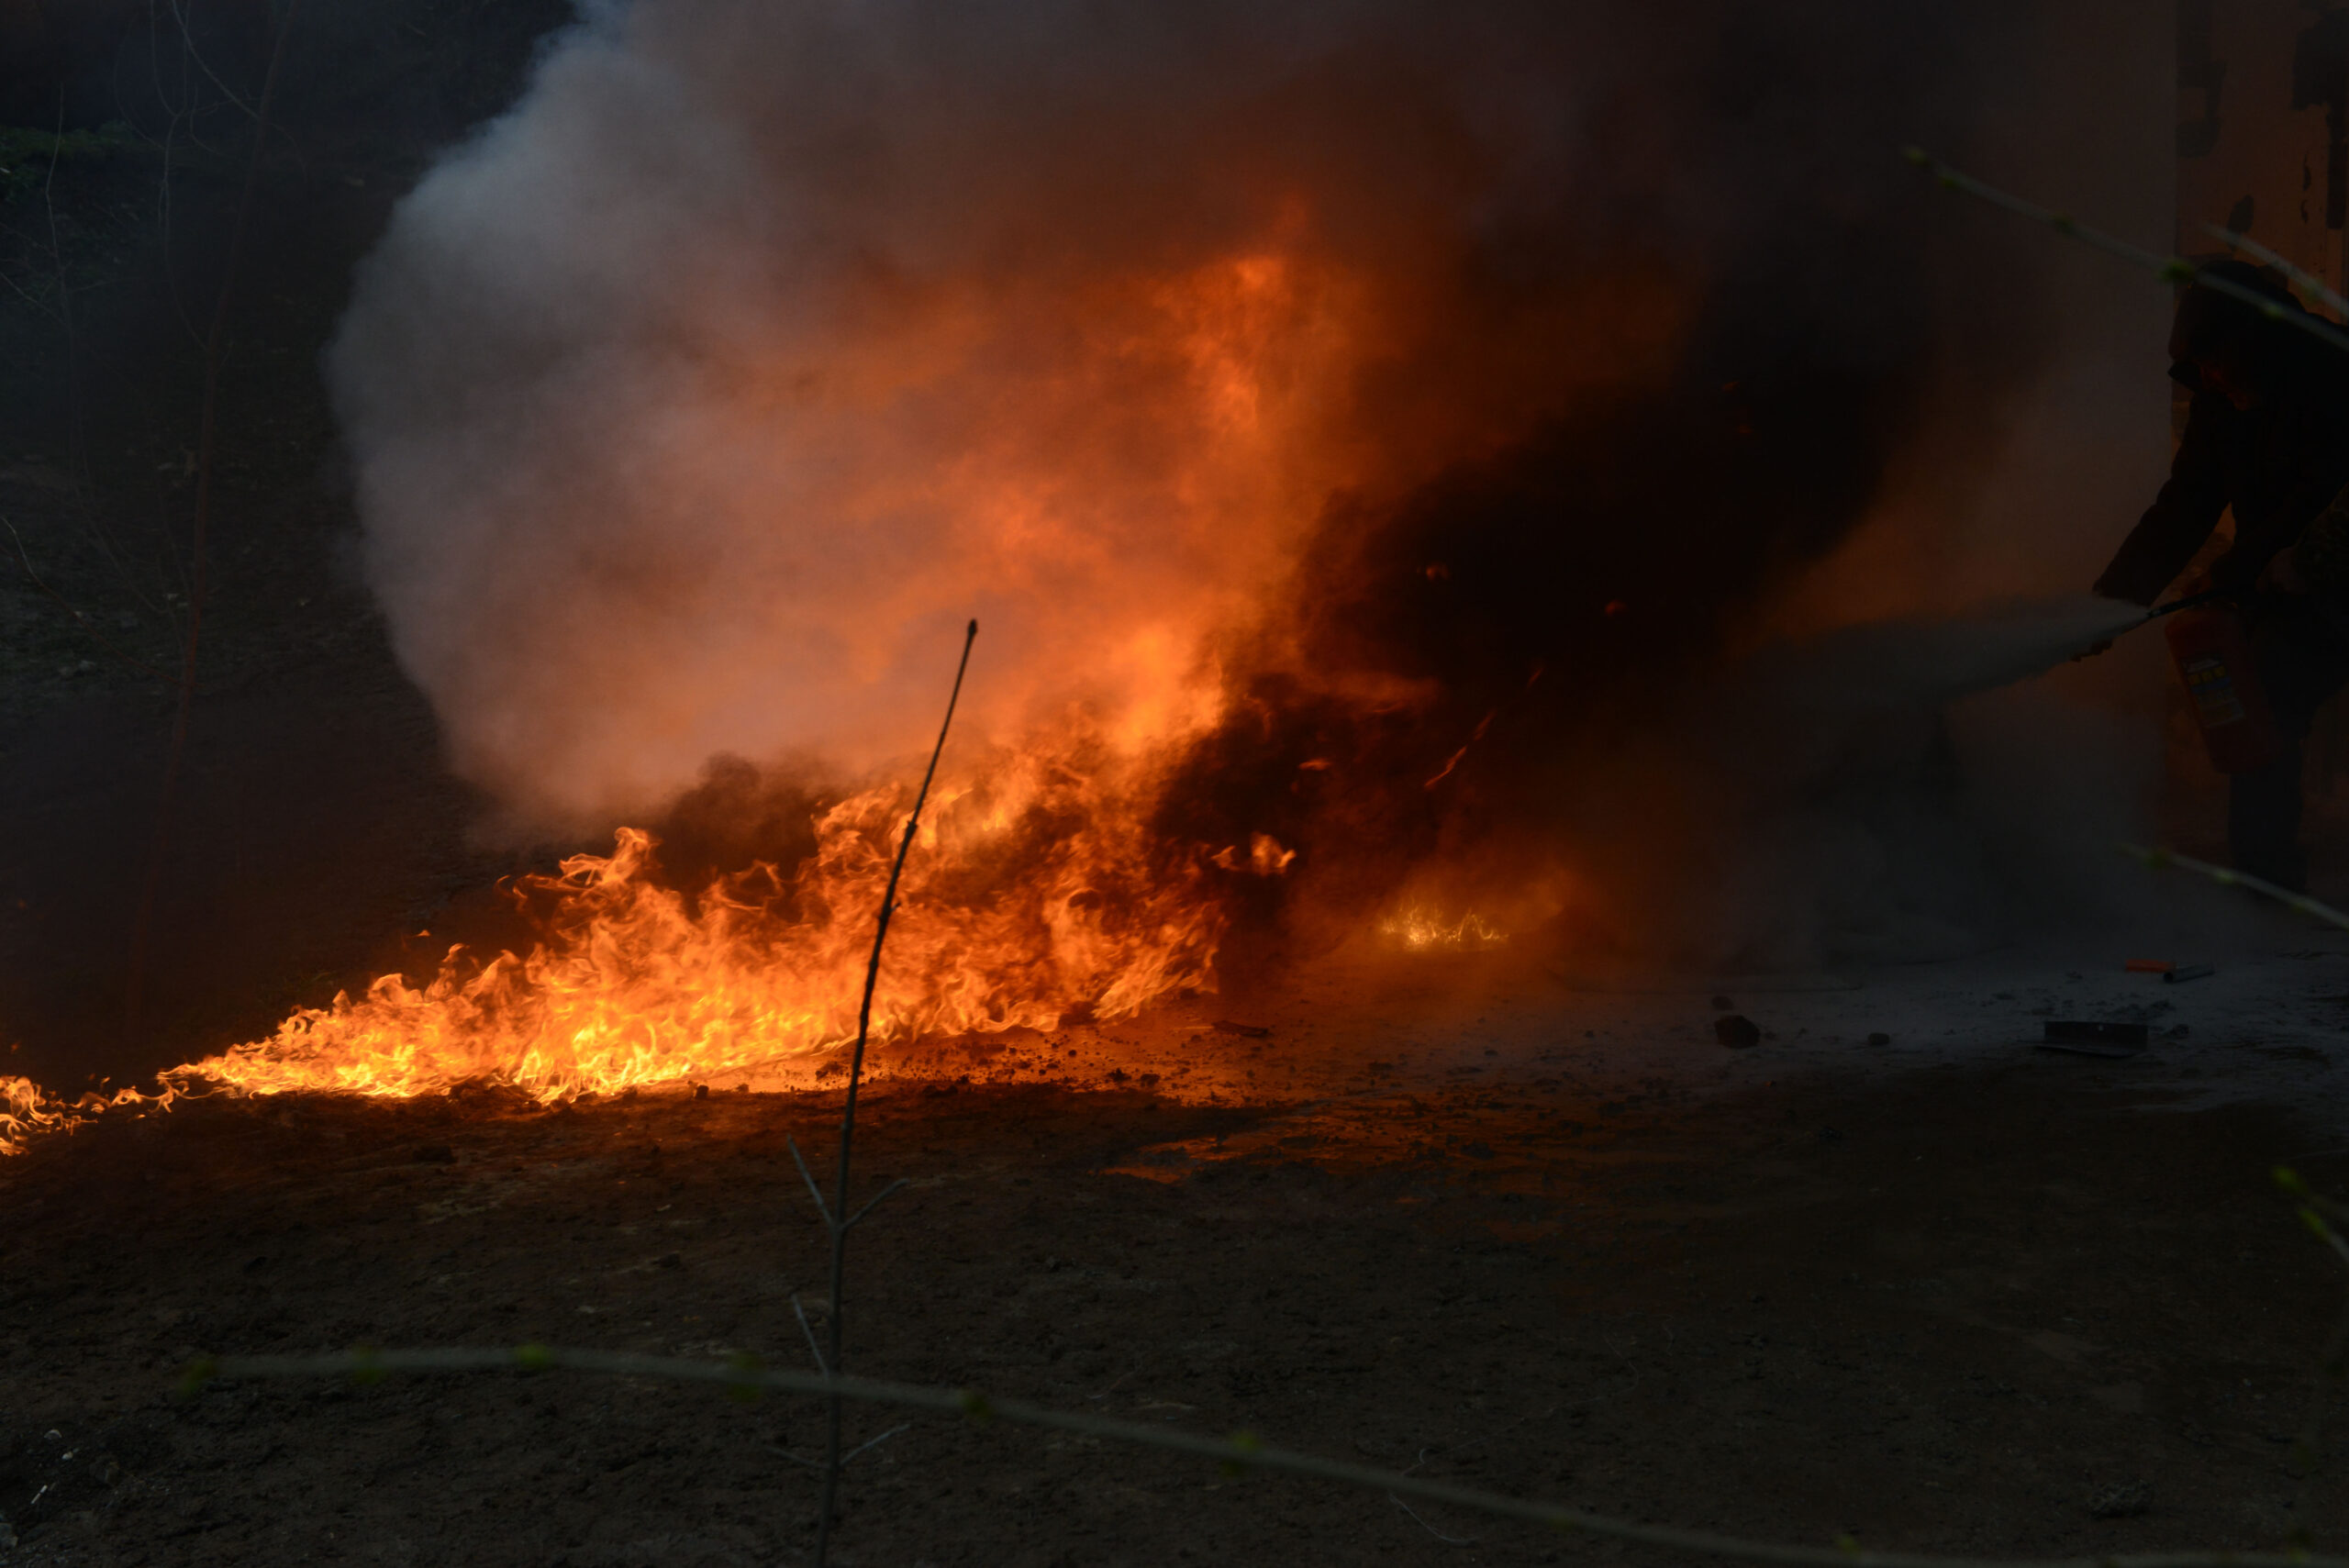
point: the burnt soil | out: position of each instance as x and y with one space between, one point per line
2002 1310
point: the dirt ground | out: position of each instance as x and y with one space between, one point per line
2029 1304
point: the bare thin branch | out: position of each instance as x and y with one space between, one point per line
1447 1540
873 1203
823 1209
80 619
838 1322
187 41
871 1443
809 1330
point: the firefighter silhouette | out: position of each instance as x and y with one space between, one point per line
2266 435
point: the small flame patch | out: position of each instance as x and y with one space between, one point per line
1421 928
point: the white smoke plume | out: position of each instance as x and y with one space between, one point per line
696 402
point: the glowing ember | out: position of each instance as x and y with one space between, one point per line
1422 929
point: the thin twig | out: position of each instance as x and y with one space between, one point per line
809 1328
1447 1540
1240 1451
187 41
823 1209
1416 1465
83 621
2227 877
27 297
2170 269
871 1203
848 1110
875 1442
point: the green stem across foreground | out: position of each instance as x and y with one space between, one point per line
1238 1453
2170 269
2308 283
2227 877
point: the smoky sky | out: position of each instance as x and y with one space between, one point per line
1346 358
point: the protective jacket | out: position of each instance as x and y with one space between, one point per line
2277 464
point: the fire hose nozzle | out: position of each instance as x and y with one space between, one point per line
2191 601
2209 595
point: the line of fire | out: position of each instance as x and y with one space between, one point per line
1637 852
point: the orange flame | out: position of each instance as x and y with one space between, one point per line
1422 929
1035 890
1026 896
24 1110
1214 407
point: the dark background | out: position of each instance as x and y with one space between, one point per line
313 823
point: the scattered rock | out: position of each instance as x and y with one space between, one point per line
435 1154
1722 1004
1737 1031
701 1091
1879 1037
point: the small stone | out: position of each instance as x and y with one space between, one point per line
701 1091
1721 1004
1737 1031
1879 1037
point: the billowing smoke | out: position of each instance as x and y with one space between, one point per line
1335 397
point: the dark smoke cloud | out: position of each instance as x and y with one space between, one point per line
696 402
